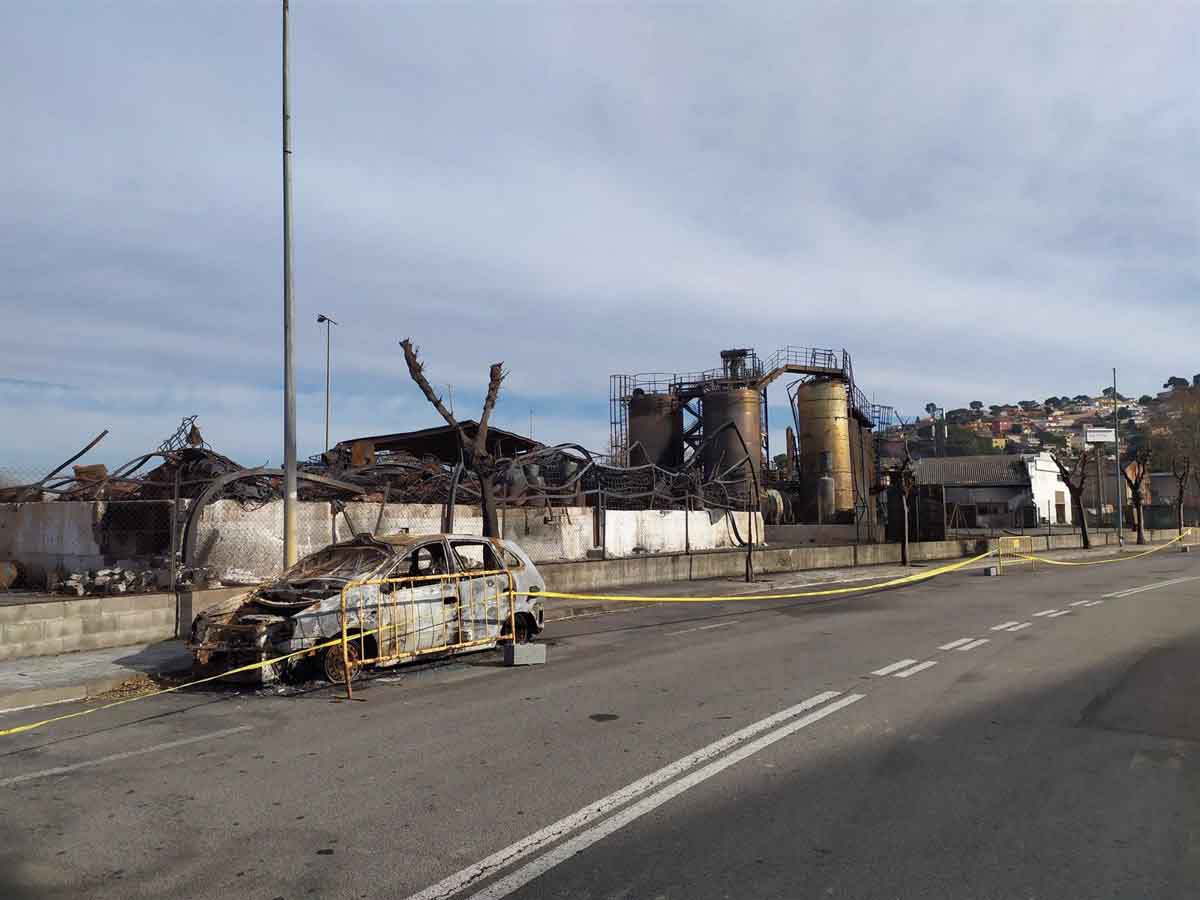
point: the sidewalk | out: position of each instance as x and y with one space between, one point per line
41 680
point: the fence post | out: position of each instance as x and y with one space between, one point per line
174 567
346 651
603 524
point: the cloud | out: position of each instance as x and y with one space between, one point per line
979 203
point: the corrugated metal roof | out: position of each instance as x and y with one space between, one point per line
972 470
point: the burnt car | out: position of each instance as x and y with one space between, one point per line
434 594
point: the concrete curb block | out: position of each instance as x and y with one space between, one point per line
13 701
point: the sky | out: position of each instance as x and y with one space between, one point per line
986 202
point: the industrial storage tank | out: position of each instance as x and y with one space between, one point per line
824 419
656 421
863 460
743 407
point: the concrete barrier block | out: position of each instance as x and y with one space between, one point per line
35 611
99 623
991 570
63 628
22 632
524 654
18 612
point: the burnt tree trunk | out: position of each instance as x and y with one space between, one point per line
1077 499
488 506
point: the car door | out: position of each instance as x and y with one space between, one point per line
418 611
481 596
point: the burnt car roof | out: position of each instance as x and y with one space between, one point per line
407 540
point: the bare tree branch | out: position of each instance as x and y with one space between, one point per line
417 370
495 376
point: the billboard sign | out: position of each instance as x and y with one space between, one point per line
1100 435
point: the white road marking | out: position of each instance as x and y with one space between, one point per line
920 667
953 644
974 644
463 879
1094 603
581 842
1020 627
1061 612
1150 587
1044 612
169 745
894 667
1004 625
703 627
1077 603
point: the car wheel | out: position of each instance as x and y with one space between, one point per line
524 632
331 663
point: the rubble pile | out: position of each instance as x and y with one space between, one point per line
116 580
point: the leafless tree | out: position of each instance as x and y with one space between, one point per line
1141 468
1074 472
476 456
1176 430
1181 468
905 482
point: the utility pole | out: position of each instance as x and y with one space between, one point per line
289 378
1120 498
328 321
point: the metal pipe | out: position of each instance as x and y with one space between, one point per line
290 498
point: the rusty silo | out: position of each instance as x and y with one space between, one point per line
743 407
823 415
656 421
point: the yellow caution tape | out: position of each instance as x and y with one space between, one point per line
895 582
1100 562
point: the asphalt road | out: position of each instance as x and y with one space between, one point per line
863 747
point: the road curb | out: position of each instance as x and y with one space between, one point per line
28 698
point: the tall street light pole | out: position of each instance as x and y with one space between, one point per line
1120 480
328 322
289 380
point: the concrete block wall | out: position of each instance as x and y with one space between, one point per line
44 537
627 531
85 623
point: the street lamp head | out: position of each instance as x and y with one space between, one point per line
321 317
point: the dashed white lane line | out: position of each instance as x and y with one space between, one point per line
956 644
894 667
518 879
1061 612
703 628
976 643
1094 603
464 878
1150 587
919 667
1003 626
1078 603
169 745
1020 627
1044 612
